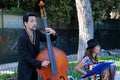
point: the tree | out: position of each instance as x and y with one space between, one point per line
58 11
85 21
102 9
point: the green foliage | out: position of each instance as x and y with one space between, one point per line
63 11
101 8
29 5
58 11
24 4
16 9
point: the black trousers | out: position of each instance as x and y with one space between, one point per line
34 76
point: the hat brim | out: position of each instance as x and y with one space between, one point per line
89 47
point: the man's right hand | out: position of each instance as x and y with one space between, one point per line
45 63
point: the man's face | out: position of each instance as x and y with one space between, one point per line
31 24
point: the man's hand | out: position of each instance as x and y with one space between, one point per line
45 63
50 31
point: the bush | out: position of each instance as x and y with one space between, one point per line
16 9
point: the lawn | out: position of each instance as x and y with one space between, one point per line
11 76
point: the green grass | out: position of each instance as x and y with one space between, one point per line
5 76
71 70
107 58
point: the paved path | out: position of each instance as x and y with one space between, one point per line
8 67
117 77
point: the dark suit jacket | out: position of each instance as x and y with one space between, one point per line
28 53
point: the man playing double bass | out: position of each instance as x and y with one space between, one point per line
28 47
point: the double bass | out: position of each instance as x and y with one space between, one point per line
57 68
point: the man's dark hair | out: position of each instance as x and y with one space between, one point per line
26 16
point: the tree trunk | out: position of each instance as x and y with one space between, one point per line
85 21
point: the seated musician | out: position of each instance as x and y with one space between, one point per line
90 57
